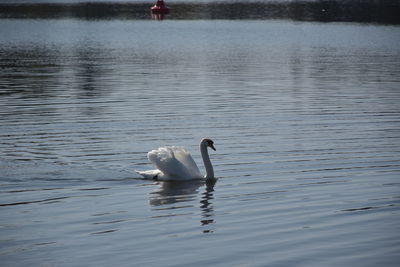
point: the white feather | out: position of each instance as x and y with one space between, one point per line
173 163
176 163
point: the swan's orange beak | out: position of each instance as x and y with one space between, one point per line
212 147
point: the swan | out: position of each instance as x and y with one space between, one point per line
176 163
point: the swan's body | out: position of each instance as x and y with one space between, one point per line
176 163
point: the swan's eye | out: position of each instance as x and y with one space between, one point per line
210 144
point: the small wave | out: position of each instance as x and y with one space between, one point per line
369 208
32 202
104 232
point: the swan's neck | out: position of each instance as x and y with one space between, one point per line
207 162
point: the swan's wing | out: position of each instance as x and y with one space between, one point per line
164 159
186 159
174 162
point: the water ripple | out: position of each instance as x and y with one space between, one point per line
305 118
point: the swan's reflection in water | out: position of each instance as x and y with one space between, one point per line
172 192
207 208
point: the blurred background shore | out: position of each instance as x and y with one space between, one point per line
368 11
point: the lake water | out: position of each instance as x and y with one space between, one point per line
305 118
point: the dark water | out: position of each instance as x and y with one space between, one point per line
305 118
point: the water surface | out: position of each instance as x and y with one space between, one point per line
305 118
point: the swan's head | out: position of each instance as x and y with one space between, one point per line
208 142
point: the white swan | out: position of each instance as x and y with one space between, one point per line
176 163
